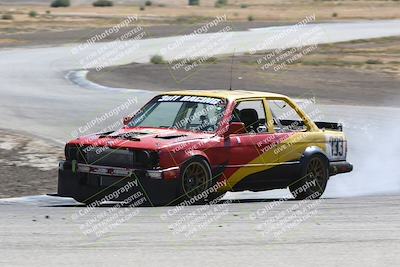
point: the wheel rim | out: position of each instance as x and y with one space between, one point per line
316 170
194 179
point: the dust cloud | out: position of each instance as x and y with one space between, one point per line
374 150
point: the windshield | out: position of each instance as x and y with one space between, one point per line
194 113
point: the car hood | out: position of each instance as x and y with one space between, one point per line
140 138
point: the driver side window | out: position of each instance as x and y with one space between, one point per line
252 114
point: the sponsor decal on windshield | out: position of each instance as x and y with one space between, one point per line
186 98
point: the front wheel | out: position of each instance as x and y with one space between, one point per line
196 179
313 181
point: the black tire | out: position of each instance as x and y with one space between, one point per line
313 181
195 178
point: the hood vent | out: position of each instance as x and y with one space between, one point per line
170 136
132 136
102 135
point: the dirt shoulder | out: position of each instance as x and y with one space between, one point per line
28 166
364 72
34 22
179 11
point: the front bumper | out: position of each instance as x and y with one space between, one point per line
90 183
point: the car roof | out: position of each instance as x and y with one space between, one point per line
228 94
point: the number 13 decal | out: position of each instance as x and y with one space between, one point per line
337 147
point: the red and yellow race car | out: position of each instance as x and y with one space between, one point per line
193 146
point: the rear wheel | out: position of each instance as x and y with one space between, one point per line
313 181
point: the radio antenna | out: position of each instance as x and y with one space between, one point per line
230 83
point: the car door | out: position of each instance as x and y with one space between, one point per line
247 150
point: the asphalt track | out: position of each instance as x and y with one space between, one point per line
356 224
343 232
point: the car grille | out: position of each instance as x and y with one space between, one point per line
110 157
104 156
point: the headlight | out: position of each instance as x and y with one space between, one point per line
147 159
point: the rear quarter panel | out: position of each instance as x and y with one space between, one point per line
332 143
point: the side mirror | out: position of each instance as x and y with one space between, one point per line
126 120
235 128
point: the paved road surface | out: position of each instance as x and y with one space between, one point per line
341 232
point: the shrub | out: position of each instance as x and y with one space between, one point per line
222 2
157 59
33 14
334 14
60 3
48 12
250 18
148 3
142 8
103 3
244 6
194 2
7 17
373 61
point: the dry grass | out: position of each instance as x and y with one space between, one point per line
382 54
176 11
7 41
379 55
